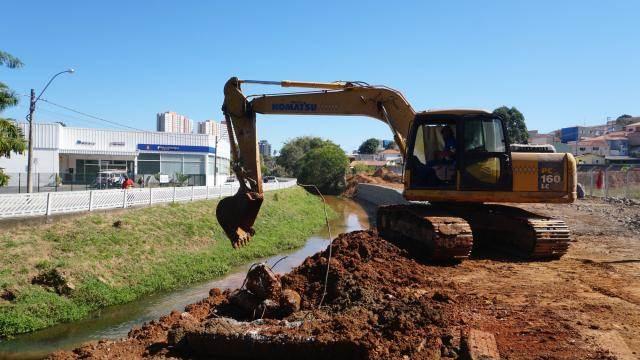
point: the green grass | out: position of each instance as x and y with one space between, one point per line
156 249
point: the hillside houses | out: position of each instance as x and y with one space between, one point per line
596 145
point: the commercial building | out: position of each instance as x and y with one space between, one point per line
264 147
76 155
170 121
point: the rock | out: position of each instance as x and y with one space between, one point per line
186 316
244 299
290 301
580 191
54 279
479 345
441 297
176 336
263 282
267 309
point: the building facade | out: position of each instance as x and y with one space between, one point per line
77 154
264 147
213 128
170 121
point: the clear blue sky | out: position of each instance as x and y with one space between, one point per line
560 62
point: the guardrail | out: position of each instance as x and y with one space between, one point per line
51 203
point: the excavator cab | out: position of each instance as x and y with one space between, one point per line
458 151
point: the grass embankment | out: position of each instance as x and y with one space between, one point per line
155 249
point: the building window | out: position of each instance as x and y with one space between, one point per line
583 149
596 148
148 167
170 164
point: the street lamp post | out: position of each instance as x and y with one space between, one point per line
32 109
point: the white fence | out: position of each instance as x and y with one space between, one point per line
50 203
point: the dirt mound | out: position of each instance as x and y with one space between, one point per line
388 175
381 176
379 303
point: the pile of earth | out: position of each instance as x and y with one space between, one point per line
382 176
380 303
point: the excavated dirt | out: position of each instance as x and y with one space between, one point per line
381 176
382 303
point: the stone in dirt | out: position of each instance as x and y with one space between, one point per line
479 345
289 301
263 282
244 300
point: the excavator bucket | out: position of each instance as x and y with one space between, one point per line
236 214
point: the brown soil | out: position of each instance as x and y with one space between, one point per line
382 303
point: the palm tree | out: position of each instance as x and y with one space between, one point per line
11 136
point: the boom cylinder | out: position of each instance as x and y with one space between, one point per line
300 84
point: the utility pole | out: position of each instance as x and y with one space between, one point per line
32 109
215 164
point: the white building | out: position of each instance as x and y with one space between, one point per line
170 121
78 154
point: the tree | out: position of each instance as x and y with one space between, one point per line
391 145
11 136
293 150
624 120
269 167
369 146
325 167
516 127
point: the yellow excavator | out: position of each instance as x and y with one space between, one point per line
456 162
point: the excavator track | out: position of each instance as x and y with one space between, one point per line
426 232
515 230
445 232
552 238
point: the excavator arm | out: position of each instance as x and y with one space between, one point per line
237 214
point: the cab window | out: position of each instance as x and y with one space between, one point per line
434 155
484 136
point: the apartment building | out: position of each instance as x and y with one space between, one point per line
170 121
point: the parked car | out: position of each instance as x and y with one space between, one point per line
269 179
109 178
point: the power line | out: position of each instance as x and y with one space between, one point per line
174 136
62 117
91 116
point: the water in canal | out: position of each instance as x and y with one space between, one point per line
116 321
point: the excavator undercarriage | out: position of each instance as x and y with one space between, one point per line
446 231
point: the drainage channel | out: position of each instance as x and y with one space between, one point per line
116 321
